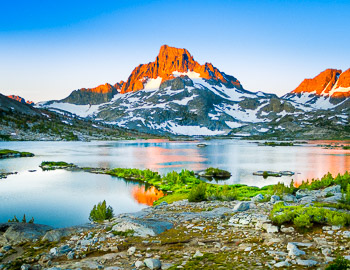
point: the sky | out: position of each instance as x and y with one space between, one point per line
50 48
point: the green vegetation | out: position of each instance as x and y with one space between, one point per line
340 263
346 147
326 181
101 212
52 165
305 217
24 220
278 144
7 153
197 193
216 173
346 196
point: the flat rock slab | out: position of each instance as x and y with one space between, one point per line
56 234
18 232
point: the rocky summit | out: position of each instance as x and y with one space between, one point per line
328 90
177 95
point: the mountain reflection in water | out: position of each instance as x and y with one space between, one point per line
146 196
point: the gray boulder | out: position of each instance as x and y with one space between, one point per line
19 232
257 198
332 189
302 193
288 198
153 263
241 206
307 263
274 198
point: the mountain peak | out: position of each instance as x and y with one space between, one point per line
323 84
179 60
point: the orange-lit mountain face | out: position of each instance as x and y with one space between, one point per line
170 60
21 100
331 82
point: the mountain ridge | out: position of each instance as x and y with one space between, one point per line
176 95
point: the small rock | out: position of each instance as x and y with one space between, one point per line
258 198
285 229
346 234
307 263
113 268
241 206
25 266
131 251
282 264
294 251
270 228
70 255
198 254
274 198
153 263
139 264
54 251
6 248
288 198
326 251
248 249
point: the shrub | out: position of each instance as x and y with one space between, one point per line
101 212
304 217
340 263
197 193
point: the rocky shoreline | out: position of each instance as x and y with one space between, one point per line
181 235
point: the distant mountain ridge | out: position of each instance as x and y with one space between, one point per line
21 100
100 94
177 95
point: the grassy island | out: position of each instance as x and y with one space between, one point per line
7 153
53 165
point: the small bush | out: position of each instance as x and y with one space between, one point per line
197 193
101 212
340 263
304 217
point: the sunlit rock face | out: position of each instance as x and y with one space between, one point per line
100 94
170 60
21 100
328 90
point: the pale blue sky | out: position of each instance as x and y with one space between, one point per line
49 48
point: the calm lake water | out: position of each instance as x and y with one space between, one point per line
61 198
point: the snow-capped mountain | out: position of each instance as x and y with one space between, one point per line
177 95
328 90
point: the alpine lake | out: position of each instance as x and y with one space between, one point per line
62 198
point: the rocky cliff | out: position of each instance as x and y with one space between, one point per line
21 100
92 96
